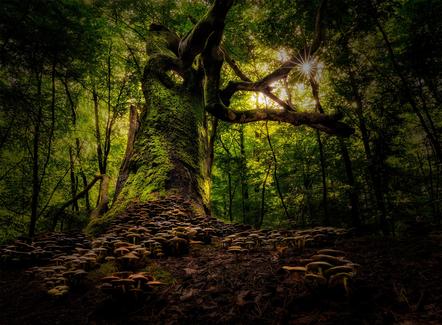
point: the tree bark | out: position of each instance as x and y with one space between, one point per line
353 192
134 124
315 92
73 180
263 193
35 162
275 172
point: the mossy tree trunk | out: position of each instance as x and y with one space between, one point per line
181 83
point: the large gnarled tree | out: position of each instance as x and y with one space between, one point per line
181 84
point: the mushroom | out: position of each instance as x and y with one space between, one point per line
338 269
329 259
155 283
312 278
125 284
342 278
319 267
120 251
294 268
59 290
140 279
331 252
107 288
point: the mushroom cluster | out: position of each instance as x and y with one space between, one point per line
327 268
128 284
44 248
296 239
143 232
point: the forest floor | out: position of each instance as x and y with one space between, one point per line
399 282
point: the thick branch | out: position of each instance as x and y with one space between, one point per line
322 122
213 22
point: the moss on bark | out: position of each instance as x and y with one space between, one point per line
169 151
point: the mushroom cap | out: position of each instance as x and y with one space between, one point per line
109 278
136 291
80 273
123 282
119 244
234 249
196 242
338 269
130 257
331 252
155 283
123 274
318 266
139 278
340 278
121 250
106 287
315 278
59 290
294 268
329 259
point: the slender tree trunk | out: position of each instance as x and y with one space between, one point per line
263 194
354 196
98 133
35 162
315 91
229 179
39 170
73 181
375 177
323 178
134 125
103 198
243 177
275 172
307 188
82 175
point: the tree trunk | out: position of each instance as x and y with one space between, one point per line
353 192
169 148
134 124
375 177
35 164
275 172
73 180
323 179
243 178
103 198
263 193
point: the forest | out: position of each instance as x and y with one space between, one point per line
220 162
